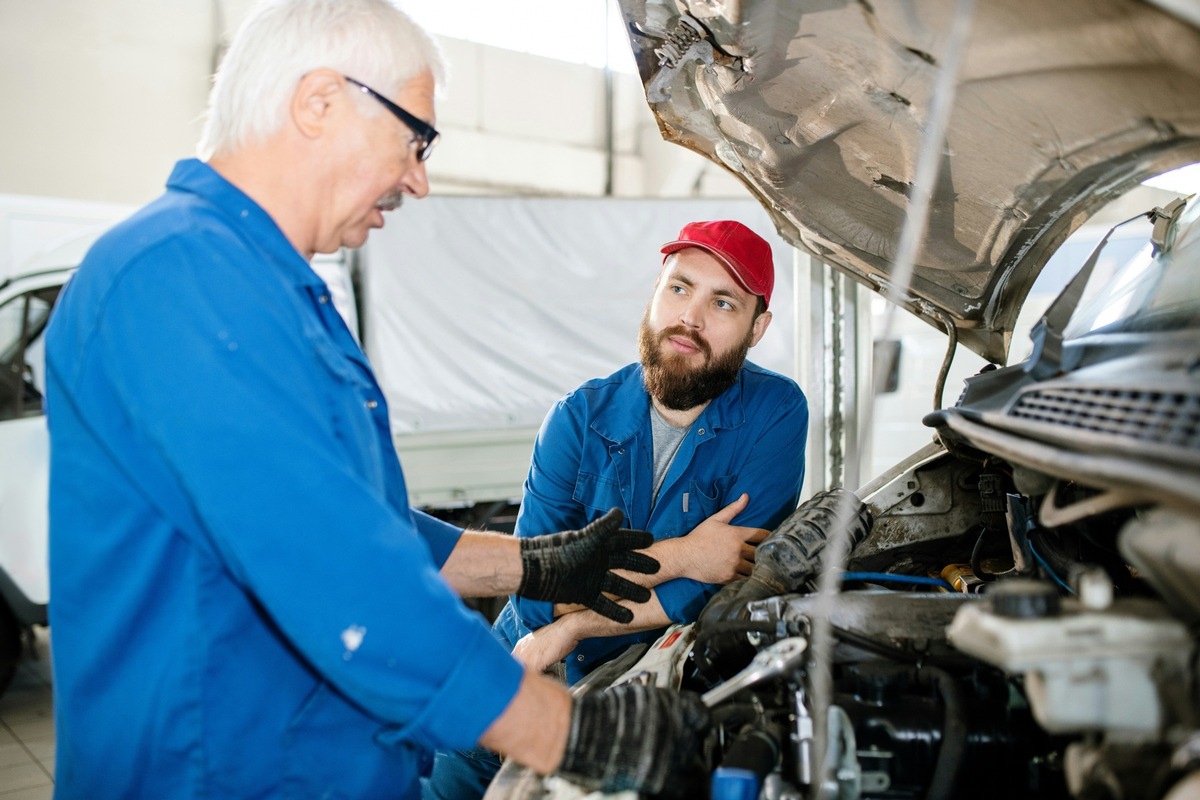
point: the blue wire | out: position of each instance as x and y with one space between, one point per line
1038 557
887 576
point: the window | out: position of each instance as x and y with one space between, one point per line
22 355
581 31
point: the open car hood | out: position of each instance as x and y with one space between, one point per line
819 107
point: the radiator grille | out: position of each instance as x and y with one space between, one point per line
1170 419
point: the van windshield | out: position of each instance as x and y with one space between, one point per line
1135 289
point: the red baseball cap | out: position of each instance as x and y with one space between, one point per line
744 253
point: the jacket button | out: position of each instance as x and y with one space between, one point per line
579 658
621 451
323 299
701 431
371 404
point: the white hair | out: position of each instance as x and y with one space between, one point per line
283 40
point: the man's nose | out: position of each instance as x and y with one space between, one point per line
692 314
415 181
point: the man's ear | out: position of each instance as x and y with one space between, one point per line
761 323
313 101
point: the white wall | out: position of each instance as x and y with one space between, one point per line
101 97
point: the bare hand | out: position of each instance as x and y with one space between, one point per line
717 552
546 646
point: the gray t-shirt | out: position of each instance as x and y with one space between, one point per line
667 439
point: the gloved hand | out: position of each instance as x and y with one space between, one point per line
633 737
575 566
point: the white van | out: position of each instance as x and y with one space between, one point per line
25 304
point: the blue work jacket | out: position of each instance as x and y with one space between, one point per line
595 452
244 605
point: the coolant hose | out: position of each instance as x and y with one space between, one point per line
750 759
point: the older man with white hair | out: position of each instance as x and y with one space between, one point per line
245 605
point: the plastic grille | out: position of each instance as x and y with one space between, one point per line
1165 418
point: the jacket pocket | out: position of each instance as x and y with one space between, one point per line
706 498
350 404
597 493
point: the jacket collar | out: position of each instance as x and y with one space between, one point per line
245 216
629 408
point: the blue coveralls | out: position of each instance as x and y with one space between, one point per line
244 605
595 452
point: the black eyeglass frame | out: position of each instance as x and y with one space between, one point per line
424 134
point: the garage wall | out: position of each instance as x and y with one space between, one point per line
102 97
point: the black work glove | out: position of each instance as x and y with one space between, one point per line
633 737
575 566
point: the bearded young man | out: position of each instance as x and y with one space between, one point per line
695 444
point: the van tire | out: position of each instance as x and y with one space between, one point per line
10 646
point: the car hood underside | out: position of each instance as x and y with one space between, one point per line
819 107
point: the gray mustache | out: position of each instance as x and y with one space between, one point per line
390 201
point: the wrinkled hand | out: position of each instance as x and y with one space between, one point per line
547 645
718 552
576 566
633 737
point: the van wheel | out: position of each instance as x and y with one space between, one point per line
10 646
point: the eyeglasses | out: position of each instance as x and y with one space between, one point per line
424 135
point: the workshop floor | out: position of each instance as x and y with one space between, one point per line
27 729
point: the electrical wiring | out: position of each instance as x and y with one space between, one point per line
1046 566
916 580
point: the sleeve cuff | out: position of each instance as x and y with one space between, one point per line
683 598
483 681
439 536
533 614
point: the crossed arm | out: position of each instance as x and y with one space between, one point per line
713 552
484 564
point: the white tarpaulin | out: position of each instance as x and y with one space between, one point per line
480 312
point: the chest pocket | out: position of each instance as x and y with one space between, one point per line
707 498
598 493
350 404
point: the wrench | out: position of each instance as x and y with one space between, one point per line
777 659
